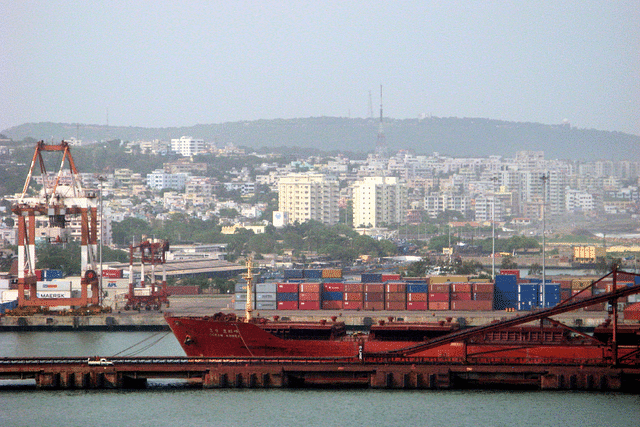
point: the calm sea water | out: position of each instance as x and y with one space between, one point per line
174 404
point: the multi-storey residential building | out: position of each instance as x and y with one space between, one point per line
159 179
379 201
489 208
434 203
578 201
309 196
188 145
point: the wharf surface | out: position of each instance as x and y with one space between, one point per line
396 373
207 305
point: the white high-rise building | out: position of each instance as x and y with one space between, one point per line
188 145
309 196
379 201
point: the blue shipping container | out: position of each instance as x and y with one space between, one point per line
507 283
332 296
293 274
371 277
313 274
287 296
417 288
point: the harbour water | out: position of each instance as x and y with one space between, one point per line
176 404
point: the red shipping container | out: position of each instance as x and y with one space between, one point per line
440 287
390 277
309 296
354 287
472 305
395 287
416 296
632 312
353 296
333 287
309 287
374 296
373 287
438 296
583 294
352 305
514 272
625 277
483 287
395 297
438 305
565 284
308 305
462 287
595 307
417 305
395 305
483 296
287 287
112 274
332 305
461 296
374 305
287 305
39 275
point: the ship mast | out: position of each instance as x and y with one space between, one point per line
248 276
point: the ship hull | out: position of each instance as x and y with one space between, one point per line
205 337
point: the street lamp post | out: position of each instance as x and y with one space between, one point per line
101 179
493 230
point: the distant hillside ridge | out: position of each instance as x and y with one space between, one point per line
457 137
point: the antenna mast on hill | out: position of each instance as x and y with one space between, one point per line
381 144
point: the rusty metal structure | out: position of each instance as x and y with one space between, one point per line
61 196
152 254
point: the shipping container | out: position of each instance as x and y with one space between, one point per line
9 295
507 283
390 277
54 285
185 290
483 296
287 296
293 274
112 273
514 272
462 287
240 296
395 305
373 305
417 288
417 305
142 292
309 287
309 305
333 287
483 287
287 305
416 297
395 287
353 296
352 305
374 287
438 305
240 287
331 273
39 275
395 297
371 277
504 300
266 305
266 287
439 296
266 296
242 305
52 274
312 274
461 296
287 287
354 287
434 280
440 288
332 296
374 296
53 294
309 296
472 305
332 305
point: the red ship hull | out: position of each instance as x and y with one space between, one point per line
209 337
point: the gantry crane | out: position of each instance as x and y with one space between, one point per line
149 253
60 197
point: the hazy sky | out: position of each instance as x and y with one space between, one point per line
167 63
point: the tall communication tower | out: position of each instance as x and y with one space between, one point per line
381 143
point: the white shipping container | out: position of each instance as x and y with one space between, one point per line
266 287
53 294
54 285
4 284
142 292
9 295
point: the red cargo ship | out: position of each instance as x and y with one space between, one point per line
224 335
